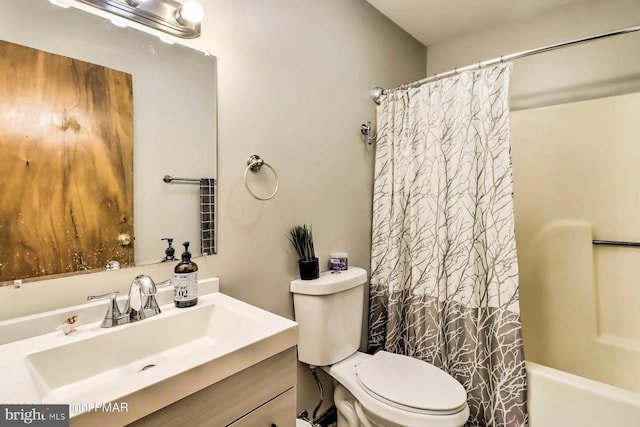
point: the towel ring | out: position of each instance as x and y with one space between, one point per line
254 164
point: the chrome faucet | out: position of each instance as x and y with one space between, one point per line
113 317
142 299
141 303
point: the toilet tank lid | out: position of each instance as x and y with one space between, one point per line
330 282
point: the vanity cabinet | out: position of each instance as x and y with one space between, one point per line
261 395
276 412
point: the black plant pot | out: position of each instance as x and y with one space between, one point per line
309 269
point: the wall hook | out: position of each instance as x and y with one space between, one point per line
370 136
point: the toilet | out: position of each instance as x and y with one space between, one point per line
380 390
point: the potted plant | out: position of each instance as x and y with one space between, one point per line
301 238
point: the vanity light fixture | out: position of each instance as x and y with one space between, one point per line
169 16
191 11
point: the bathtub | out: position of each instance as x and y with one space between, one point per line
560 399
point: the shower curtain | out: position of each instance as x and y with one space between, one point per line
444 274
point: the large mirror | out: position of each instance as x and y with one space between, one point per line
174 118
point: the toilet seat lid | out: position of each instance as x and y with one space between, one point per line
411 384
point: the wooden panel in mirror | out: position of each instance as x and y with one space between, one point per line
66 152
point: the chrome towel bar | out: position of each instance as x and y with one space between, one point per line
173 179
616 243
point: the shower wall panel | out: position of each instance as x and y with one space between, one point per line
577 178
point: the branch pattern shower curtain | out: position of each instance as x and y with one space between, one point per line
444 279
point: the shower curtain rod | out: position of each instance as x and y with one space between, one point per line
377 92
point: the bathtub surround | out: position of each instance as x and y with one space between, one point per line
596 70
444 281
577 179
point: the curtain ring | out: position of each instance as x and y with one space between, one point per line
254 164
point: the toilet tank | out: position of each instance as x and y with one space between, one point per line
329 313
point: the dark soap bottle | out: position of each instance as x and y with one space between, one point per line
185 281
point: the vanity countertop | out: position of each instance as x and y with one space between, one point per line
171 355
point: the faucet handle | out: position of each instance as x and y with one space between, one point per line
164 283
104 296
113 317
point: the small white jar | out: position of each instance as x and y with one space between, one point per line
339 261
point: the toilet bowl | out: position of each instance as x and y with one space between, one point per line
391 390
380 390
302 423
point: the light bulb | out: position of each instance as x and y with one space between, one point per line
190 11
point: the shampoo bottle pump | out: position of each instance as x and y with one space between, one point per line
185 281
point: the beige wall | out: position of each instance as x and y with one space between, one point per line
294 80
593 70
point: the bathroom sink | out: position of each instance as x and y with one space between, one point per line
219 336
169 343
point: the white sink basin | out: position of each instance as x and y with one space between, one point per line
220 335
